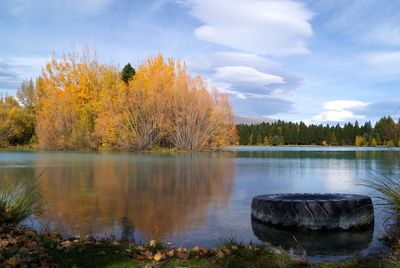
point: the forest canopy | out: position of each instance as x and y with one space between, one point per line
79 103
384 133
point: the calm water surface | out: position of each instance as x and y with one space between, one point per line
198 199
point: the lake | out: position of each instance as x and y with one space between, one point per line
198 198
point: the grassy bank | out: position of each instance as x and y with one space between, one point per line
23 247
228 255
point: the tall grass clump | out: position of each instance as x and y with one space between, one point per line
19 201
389 188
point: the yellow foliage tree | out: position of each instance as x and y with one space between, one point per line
16 125
69 92
84 104
359 141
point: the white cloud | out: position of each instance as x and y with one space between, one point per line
253 29
385 33
246 75
340 111
337 116
388 62
208 63
340 105
262 27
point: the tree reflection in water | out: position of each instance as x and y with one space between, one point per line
115 194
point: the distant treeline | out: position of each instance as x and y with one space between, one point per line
385 132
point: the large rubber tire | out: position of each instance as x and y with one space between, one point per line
314 211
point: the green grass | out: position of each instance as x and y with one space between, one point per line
18 201
115 257
240 255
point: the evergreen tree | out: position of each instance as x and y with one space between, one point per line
385 132
127 73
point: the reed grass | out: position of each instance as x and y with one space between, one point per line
389 188
19 201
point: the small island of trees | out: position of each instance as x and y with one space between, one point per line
78 103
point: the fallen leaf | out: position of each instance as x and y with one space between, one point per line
12 261
220 254
157 256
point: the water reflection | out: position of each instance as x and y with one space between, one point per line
159 196
314 243
199 199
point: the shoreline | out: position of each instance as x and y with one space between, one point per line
32 148
21 246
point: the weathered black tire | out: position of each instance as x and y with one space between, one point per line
315 243
314 211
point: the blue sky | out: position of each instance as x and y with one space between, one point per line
317 61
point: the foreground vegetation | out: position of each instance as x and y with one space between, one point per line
22 247
19 201
384 133
388 187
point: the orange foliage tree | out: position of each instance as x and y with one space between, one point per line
84 104
69 92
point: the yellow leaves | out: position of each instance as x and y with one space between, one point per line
12 262
359 141
158 256
161 105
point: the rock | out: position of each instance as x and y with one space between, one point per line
314 211
101 253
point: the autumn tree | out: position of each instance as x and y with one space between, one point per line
83 104
70 91
27 95
163 105
16 127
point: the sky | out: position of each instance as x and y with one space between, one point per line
317 61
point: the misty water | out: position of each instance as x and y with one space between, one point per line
200 198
